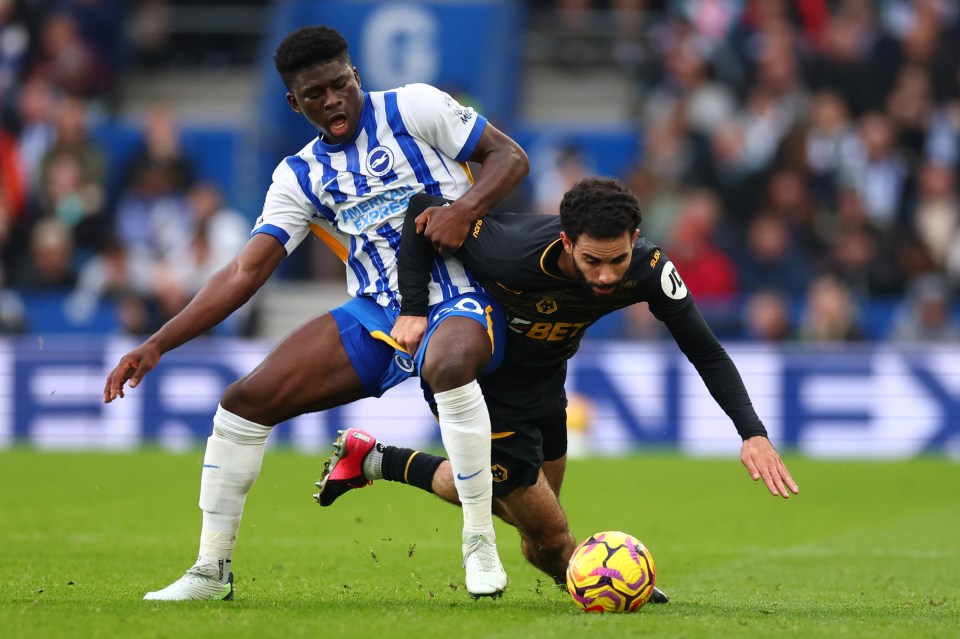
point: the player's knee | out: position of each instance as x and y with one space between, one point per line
449 369
246 399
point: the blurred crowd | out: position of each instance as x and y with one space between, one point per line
799 161
137 242
800 158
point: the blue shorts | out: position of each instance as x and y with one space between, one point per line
381 363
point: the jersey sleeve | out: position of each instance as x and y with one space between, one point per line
671 302
415 259
286 210
436 118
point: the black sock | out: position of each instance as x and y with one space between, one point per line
409 466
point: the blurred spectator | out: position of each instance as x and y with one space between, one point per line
910 107
772 259
49 264
943 136
73 139
730 174
73 200
149 33
109 275
100 23
705 268
12 181
831 142
152 216
789 198
72 176
865 259
935 216
659 202
853 59
37 105
14 44
161 148
770 112
880 172
925 314
766 317
830 314
674 154
218 235
70 63
687 84
558 170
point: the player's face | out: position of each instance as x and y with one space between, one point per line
329 97
600 265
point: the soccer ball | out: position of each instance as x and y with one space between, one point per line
611 572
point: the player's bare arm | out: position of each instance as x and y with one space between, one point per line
503 165
229 289
762 462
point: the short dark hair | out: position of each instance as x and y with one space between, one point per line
307 47
601 208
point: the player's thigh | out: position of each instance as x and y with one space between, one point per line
309 370
457 353
464 340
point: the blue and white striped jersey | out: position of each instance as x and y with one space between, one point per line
354 195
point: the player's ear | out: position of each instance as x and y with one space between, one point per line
567 242
292 101
633 238
356 75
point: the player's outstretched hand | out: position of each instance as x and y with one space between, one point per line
408 332
762 461
132 367
446 226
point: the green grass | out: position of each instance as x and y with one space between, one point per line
866 550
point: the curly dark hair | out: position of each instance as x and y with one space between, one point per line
307 47
601 208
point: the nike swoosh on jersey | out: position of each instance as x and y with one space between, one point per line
462 478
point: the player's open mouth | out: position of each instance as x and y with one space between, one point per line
339 125
603 291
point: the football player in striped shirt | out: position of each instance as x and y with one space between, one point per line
350 186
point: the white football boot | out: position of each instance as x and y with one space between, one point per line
200 583
485 576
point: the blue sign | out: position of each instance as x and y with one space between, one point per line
847 401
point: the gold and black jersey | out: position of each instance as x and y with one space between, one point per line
515 257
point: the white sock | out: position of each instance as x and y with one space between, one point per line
465 430
230 466
373 464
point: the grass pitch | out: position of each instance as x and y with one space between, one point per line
866 550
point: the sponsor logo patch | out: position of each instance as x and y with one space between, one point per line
379 161
673 287
547 306
403 362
